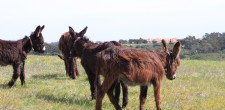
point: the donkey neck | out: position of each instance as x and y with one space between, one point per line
81 46
27 44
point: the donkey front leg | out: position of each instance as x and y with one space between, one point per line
16 73
156 85
107 83
143 94
93 79
75 67
22 74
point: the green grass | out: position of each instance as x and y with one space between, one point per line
200 85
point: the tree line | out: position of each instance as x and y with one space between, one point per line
133 41
209 43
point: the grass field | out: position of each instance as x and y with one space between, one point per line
200 85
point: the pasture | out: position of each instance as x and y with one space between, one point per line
200 85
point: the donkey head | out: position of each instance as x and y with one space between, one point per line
70 61
172 59
76 37
38 40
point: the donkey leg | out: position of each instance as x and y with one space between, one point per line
75 67
96 85
16 72
125 93
91 79
117 91
66 65
72 73
22 74
156 85
107 83
113 99
143 94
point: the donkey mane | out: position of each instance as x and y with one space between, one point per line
27 44
84 44
93 47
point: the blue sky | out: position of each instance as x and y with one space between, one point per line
112 19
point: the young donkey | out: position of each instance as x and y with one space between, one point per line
136 67
87 50
14 53
65 45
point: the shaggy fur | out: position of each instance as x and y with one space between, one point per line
87 50
15 52
65 46
136 67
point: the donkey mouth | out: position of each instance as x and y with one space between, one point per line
170 77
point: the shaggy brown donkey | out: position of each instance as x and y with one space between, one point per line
65 45
136 67
87 50
14 53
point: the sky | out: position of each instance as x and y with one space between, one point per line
112 19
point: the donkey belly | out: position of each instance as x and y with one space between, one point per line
134 81
9 58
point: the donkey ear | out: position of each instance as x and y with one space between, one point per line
165 47
176 49
42 27
83 32
37 31
71 31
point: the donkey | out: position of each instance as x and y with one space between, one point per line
65 45
136 67
86 50
14 53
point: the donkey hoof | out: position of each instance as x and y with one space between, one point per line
72 77
119 108
10 84
124 105
23 83
93 97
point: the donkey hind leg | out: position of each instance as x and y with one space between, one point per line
22 74
16 73
114 99
125 93
117 90
156 85
143 94
66 65
107 83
